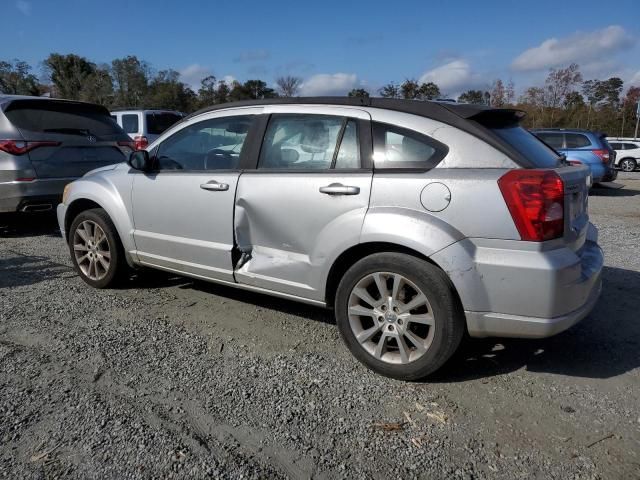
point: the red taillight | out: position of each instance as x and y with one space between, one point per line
535 199
603 154
140 142
20 147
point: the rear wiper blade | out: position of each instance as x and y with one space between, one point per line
70 131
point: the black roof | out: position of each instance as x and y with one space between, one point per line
443 111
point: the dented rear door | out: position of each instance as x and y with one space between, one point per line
305 201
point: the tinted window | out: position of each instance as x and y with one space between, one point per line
576 140
616 146
396 147
50 116
306 142
554 140
130 123
114 118
530 146
213 144
630 146
157 123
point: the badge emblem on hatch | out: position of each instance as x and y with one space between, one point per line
92 138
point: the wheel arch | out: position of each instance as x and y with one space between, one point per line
357 252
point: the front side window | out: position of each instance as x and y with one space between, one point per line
616 146
214 144
130 123
396 147
576 140
309 142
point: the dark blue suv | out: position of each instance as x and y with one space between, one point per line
582 147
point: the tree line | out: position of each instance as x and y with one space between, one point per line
565 100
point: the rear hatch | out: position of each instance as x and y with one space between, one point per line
79 136
576 179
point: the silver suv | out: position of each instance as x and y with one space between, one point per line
46 143
415 221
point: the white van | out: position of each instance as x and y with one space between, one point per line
144 126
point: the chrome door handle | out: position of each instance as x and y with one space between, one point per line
339 189
215 186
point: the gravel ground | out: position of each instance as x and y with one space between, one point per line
171 378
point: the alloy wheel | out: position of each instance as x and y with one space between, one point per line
391 318
92 250
628 165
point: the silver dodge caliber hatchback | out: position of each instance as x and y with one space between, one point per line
415 221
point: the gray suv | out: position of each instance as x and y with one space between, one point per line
414 221
47 143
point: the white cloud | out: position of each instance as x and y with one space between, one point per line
453 77
328 84
581 47
24 7
635 79
228 79
192 74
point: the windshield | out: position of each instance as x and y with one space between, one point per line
541 155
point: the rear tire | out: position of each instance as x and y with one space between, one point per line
628 164
96 251
412 329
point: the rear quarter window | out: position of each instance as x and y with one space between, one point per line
401 148
130 123
530 146
577 140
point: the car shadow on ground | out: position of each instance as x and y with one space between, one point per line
604 345
14 225
22 270
604 191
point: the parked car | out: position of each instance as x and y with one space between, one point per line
145 126
627 153
582 147
415 221
47 143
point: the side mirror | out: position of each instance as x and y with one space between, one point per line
140 160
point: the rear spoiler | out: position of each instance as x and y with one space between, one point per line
487 116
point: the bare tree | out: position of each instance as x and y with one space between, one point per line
288 86
498 94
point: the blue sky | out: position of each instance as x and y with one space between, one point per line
338 45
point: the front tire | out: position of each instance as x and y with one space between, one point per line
628 164
96 250
399 315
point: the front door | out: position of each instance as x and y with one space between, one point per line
305 200
183 211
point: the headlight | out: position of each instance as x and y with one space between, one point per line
65 192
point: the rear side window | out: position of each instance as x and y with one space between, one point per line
630 146
576 140
617 146
130 123
310 142
51 116
157 123
530 146
554 140
398 148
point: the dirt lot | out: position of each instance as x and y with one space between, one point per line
168 377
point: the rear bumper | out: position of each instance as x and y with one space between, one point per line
523 289
36 195
488 324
